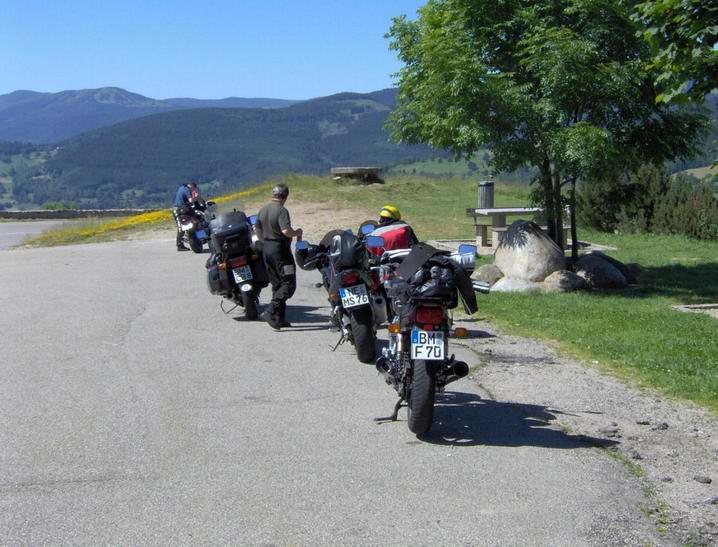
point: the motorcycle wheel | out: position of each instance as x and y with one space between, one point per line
363 334
249 301
194 243
421 399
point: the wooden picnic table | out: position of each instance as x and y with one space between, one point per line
498 226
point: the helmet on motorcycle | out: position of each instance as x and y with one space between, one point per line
389 212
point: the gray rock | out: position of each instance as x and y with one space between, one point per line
599 273
627 272
660 426
527 253
712 501
635 455
702 479
643 421
564 280
666 479
510 284
488 273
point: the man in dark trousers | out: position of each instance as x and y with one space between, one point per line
185 195
274 229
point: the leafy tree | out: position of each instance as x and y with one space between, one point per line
683 35
557 84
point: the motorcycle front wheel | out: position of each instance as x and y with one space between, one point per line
363 334
421 398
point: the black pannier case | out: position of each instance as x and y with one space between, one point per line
231 233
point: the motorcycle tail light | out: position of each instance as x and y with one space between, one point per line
350 278
237 262
432 316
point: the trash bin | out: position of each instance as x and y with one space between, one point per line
486 194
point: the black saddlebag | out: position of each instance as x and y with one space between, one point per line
219 282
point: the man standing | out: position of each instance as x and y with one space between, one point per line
185 195
274 229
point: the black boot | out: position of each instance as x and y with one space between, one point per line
271 319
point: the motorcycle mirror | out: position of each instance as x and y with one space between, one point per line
366 229
301 245
253 220
211 203
465 249
375 241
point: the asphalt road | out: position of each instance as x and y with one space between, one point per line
13 233
133 411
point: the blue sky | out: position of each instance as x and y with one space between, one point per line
211 49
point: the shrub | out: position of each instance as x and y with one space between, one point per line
650 200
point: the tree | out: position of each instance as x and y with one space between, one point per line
560 85
683 35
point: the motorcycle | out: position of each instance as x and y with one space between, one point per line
194 222
235 269
424 284
357 306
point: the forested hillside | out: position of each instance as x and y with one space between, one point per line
140 162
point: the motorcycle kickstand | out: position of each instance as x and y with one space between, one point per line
394 415
342 339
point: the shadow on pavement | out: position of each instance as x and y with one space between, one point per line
465 419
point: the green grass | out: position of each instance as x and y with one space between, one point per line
435 208
634 332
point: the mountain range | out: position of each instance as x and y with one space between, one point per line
30 116
140 162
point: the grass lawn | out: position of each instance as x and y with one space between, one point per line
633 333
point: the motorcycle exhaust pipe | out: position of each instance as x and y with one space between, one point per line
383 366
456 371
480 286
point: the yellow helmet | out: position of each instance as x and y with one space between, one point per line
390 212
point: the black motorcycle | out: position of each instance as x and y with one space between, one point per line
194 221
356 306
423 285
235 269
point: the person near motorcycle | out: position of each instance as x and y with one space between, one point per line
185 195
274 230
396 233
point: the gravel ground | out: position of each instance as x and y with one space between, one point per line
672 445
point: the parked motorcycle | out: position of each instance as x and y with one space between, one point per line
357 306
423 284
235 269
194 222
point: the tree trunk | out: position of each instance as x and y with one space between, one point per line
547 186
558 209
574 236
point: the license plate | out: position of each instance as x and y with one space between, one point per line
242 274
354 296
427 345
201 234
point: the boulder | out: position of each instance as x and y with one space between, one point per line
511 284
600 273
564 280
488 273
625 269
526 252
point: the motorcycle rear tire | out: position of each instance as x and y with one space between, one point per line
421 398
194 243
249 301
363 334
